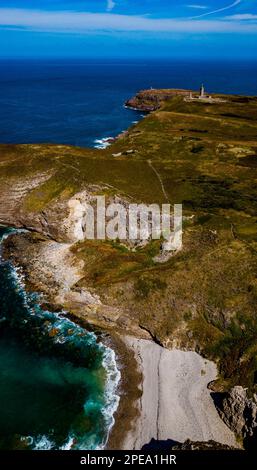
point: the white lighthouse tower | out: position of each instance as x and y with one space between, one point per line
202 92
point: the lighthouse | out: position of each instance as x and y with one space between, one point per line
202 92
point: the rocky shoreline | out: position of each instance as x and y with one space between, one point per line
54 273
195 298
50 269
148 101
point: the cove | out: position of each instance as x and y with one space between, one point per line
57 381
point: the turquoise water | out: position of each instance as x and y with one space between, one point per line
57 382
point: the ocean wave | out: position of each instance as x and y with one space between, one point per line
42 443
70 333
112 399
103 143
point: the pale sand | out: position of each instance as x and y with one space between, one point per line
175 403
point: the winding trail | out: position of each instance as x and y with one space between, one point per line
160 180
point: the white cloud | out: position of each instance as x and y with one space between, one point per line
197 7
234 4
242 17
77 22
110 5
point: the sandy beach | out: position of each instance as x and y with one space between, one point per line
175 404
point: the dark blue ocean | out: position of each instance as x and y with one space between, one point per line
77 102
57 381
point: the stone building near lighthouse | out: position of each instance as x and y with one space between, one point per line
203 97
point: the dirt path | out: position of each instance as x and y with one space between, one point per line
160 179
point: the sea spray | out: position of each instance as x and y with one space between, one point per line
103 143
58 357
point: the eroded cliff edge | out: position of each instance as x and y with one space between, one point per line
203 298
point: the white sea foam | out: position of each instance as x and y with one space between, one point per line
130 107
103 143
111 398
40 442
69 443
43 442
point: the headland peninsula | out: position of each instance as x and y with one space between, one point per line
184 329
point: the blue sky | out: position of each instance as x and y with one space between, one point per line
129 28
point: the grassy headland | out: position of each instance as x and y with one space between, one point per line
205 154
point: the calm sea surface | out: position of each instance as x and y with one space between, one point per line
57 382
79 102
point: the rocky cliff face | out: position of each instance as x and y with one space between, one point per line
239 413
205 297
51 268
151 100
13 193
170 445
210 445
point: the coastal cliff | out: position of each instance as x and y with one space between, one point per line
151 100
202 298
239 413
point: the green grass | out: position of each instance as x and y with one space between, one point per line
204 297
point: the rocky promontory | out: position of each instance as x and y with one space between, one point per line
151 100
202 298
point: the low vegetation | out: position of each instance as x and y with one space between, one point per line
204 297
